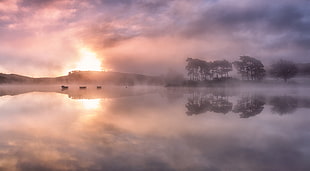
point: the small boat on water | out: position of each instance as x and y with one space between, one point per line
83 87
99 87
64 87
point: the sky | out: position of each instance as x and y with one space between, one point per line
53 37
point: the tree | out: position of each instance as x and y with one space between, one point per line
283 69
193 68
220 68
250 68
190 68
205 70
200 70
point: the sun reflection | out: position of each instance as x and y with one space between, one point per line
88 61
90 104
90 110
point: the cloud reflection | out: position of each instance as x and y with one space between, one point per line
43 131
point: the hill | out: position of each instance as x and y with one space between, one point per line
85 77
14 78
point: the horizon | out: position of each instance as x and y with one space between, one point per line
69 72
234 72
169 85
49 38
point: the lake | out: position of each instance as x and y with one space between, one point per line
154 128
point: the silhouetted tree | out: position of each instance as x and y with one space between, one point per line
220 68
190 67
249 106
283 69
226 68
193 68
205 70
250 68
200 70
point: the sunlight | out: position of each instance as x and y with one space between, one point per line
88 61
90 104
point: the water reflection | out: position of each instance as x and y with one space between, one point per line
200 103
74 92
139 129
90 103
284 104
246 106
249 106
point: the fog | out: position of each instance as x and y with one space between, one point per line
154 85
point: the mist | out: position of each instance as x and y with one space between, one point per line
163 85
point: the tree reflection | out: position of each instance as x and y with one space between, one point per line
283 104
249 106
199 103
220 104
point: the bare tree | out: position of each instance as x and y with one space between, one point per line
283 69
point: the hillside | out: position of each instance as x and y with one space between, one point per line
14 78
85 77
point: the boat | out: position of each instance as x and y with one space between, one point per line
83 87
64 87
99 87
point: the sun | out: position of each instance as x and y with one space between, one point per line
88 61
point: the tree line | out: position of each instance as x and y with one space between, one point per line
200 70
248 67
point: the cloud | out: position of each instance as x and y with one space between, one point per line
259 24
260 29
149 32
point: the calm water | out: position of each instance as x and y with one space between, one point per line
139 128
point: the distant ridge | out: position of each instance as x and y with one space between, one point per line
303 69
14 78
85 77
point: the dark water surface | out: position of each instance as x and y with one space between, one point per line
140 128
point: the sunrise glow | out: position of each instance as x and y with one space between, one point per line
155 85
88 61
